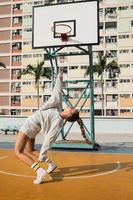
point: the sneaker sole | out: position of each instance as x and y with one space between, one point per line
41 181
52 170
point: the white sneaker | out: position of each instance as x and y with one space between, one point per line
51 168
41 173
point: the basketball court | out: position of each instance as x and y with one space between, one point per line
80 175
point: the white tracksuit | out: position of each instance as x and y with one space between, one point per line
46 120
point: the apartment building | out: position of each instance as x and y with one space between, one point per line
18 94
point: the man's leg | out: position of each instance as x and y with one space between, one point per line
43 154
30 147
21 142
55 101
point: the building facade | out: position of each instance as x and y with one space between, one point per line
18 95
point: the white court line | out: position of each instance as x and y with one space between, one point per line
3 157
60 177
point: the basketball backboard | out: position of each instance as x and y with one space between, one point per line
67 24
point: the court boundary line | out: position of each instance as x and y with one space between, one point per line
118 166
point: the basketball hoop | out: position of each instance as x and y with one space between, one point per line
62 31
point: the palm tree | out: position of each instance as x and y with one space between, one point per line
100 67
2 65
37 71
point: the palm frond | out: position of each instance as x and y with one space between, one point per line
28 70
46 72
2 65
113 66
102 65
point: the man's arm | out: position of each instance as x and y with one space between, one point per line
49 138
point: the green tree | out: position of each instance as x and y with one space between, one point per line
37 71
100 67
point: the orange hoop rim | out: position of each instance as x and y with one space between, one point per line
53 29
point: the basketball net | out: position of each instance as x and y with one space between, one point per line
64 37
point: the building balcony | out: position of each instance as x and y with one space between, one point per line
110 31
111 16
126 102
111 112
111 45
109 2
16 63
31 102
17 0
111 89
26 112
15 76
16 90
17 24
17 37
126 114
112 104
15 103
17 11
4 100
16 50
98 104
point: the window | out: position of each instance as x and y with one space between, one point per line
125 96
123 8
111 39
27 29
37 55
17 6
124 80
123 51
27 56
111 54
101 40
124 110
112 98
16 32
27 4
16 58
27 16
38 2
64 69
27 43
101 26
17 20
73 67
124 65
84 67
17 45
46 98
15 112
101 12
123 36
111 112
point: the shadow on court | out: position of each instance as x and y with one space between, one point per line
87 171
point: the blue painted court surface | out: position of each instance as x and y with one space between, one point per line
105 148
